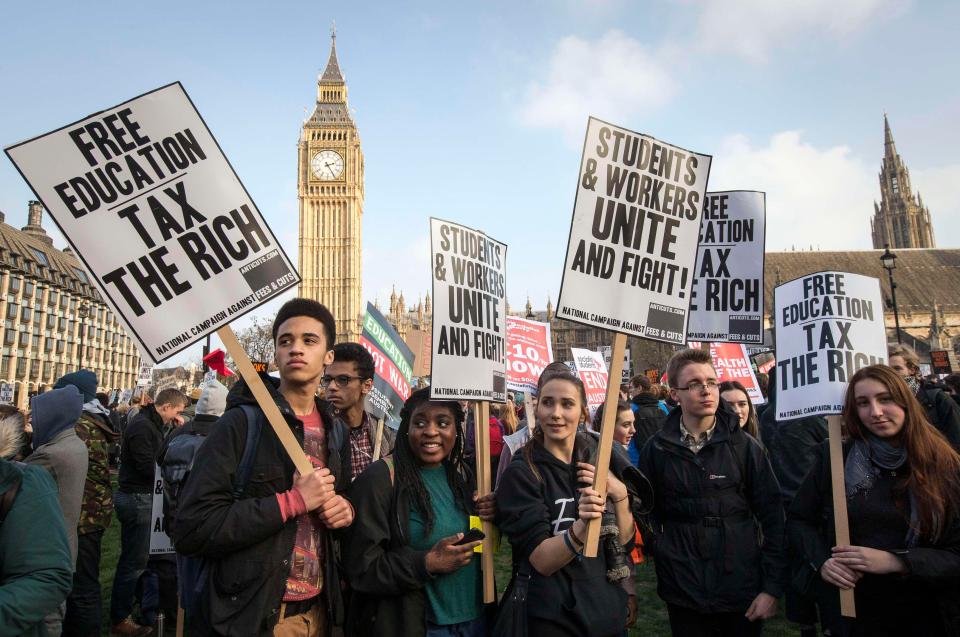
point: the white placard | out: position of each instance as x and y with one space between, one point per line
160 543
469 317
727 305
6 393
126 396
828 325
159 218
633 238
145 375
607 352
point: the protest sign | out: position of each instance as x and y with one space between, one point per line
828 325
419 342
393 367
160 543
727 297
187 250
653 375
6 393
940 361
633 238
607 352
592 370
145 375
733 363
126 395
528 352
469 319
260 366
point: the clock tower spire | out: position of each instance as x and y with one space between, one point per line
330 191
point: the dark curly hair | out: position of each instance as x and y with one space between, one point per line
408 468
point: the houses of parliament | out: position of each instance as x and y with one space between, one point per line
330 177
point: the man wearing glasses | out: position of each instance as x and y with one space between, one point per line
714 492
347 381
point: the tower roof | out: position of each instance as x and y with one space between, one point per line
889 149
332 72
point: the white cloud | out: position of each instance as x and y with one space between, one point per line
941 194
815 196
613 78
752 28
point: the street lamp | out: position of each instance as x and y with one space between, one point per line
83 312
889 261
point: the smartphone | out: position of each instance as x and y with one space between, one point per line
470 536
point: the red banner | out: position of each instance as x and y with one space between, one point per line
528 352
733 363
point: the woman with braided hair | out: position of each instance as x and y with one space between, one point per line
402 559
545 500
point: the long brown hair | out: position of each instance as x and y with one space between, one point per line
934 465
752 426
536 438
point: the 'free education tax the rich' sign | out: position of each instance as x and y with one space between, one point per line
169 235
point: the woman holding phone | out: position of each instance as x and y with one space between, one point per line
410 569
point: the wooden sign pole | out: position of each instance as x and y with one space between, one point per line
481 437
528 410
841 525
376 443
592 541
265 400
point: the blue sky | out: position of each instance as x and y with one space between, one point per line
475 111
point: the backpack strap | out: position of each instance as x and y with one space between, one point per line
8 498
254 418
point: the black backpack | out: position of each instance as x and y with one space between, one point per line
193 572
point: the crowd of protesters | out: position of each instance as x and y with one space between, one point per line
730 507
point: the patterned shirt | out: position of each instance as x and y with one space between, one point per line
306 565
361 448
96 508
696 443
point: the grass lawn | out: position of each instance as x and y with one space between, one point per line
651 620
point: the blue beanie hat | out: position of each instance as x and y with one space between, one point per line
84 380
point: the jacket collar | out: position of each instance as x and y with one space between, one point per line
726 423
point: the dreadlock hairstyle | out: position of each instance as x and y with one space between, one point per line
408 468
536 438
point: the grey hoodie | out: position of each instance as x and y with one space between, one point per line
57 449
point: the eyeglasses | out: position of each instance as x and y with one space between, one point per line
710 385
342 380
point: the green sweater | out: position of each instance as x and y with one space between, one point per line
454 597
36 571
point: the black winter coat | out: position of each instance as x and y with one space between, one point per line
810 529
139 451
709 509
793 445
942 412
531 510
648 418
386 576
247 539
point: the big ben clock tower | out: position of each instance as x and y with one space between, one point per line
330 185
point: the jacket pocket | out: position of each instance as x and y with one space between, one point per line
232 576
266 479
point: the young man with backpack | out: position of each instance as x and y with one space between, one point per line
713 485
267 536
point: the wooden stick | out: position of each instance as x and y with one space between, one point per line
180 618
529 410
592 541
265 400
376 444
482 438
841 525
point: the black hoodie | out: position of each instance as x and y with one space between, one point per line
247 540
531 510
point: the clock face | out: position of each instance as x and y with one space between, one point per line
327 164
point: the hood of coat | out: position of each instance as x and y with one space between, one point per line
240 394
54 411
727 423
645 400
12 437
